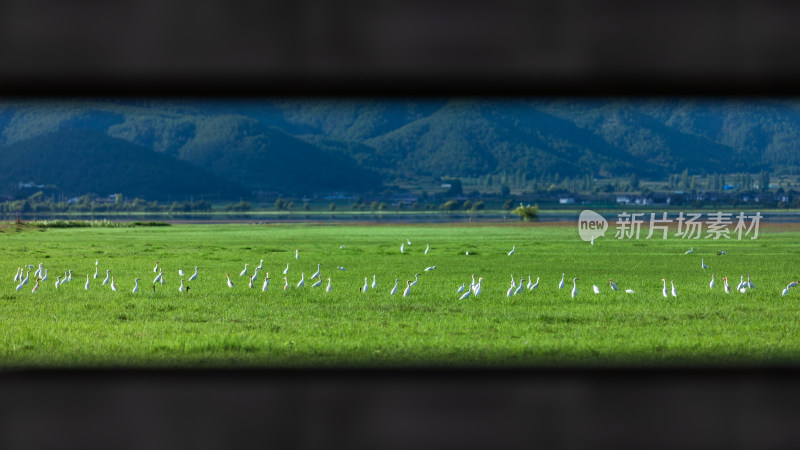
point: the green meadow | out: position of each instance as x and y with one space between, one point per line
212 325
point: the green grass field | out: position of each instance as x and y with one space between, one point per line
213 325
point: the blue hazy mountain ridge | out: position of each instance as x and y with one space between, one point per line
308 145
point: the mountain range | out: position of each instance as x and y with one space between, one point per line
173 148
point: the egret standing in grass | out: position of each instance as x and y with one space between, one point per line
95 272
664 289
394 289
711 285
230 283
726 285
366 286
513 247
302 281
319 281
427 248
58 282
402 248
36 287
44 278
243 272
316 274
561 284
703 264
574 288
408 288
135 286
286 270
286 285
86 286
108 277
155 269
297 254
595 289
193 277
674 291
534 285
181 288
374 283
613 286
749 283
113 286
328 288
249 284
689 251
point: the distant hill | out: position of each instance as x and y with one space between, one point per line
314 145
83 161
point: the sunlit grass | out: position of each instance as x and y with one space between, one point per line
212 325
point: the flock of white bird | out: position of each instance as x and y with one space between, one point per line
474 289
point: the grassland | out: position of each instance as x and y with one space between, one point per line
213 325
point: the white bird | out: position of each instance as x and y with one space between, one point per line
512 250
58 282
477 290
328 288
180 272
255 275
302 281
530 283
18 276
230 283
316 274
155 269
574 288
181 288
113 286
286 270
86 286
243 272
793 284
366 285
249 283
96 262
711 285
461 289
158 277
44 278
721 252
467 253
520 286
664 289
785 291
374 283
286 286
25 280
36 287
341 268
69 277
415 279
409 241
135 286
510 291
743 289
402 248
703 264
561 284
265 286
674 291
466 294
613 286
394 289
749 283
595 289
630 291
427 247
341 246
408 288
260 265
108 277
428 269
297 254
472 285
38 272
726 285
64 280
319 281
534 285
689 251
193 277
741 283
513 284
95 272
